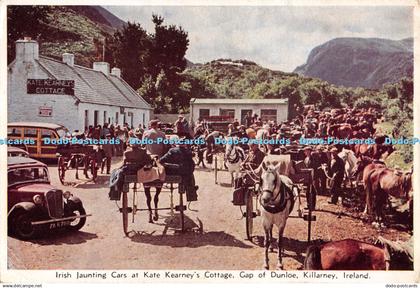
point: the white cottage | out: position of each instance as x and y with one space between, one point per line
268 109
42 89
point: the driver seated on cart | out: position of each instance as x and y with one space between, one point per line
179 161
253 160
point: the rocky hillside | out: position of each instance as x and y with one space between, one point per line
80 30
359 62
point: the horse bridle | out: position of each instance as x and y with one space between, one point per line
275 185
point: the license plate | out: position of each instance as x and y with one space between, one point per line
59 224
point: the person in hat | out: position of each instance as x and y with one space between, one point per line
248 119
156 137
179 161
312 161
108 151
138 133
255 156
336 172
182 127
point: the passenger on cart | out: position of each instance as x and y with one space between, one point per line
179 161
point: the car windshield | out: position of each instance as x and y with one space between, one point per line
63 132
30 174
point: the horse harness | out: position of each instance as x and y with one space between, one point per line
285 195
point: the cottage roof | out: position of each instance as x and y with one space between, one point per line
93 86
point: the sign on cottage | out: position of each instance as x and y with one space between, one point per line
50 86
45 111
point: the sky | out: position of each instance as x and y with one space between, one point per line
276 37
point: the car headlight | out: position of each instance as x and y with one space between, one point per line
37 199
67 195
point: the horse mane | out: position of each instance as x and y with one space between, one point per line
398 246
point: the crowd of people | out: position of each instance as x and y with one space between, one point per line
323 159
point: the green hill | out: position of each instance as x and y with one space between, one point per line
80 30
225 78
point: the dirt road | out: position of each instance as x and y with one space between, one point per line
215 238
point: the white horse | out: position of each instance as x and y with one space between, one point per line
277 199
350 161
263 134
234 156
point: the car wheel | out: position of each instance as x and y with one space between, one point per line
78 223
22 226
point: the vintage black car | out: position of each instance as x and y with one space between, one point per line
16 152
34 205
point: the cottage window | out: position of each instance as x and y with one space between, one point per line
95 117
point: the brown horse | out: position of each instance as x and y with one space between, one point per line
341 131
365 165
381 182
350 254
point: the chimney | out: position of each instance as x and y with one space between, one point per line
27 50
116 72
68 58
102 67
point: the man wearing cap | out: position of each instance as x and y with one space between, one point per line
155 136
336 173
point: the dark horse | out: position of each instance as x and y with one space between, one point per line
350 254
382 182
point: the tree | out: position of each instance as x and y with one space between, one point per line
24 21
169 45
132 50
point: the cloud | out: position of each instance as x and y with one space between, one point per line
277 37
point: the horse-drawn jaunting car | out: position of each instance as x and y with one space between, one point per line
79 157
34 205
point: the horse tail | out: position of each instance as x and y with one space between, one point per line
313 258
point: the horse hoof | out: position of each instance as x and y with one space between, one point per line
266 267
155 218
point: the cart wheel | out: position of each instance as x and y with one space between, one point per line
125 211
249 213
61 169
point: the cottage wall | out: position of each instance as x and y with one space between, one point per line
26 107
109 114
66 110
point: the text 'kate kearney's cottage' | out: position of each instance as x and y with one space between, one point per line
42 89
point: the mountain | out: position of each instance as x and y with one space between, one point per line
360 62
80 30
100 15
